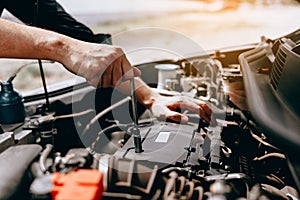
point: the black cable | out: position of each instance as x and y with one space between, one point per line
35 23
44 84
110 129
13 76
102 113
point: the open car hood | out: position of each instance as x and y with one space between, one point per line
271 77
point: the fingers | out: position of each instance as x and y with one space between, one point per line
205 108
121 64
120 70
104 65
162 112
107 77
136 71
204 115
115 76
193 105
178 117
128 71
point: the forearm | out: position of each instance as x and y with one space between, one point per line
100 64
145 95
21 41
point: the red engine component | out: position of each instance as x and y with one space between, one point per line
81 184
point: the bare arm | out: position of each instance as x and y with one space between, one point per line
102 65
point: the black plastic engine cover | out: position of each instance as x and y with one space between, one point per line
163 142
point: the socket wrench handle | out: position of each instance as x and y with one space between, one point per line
136 131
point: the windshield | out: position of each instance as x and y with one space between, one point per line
210 24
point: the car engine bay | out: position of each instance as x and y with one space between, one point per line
250 152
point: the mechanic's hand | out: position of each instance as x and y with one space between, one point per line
102 65
165 106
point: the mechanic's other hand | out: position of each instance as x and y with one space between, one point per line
102 65
165 107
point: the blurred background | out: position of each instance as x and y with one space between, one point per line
212 24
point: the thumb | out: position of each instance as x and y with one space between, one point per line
136 71
133 72
178 117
